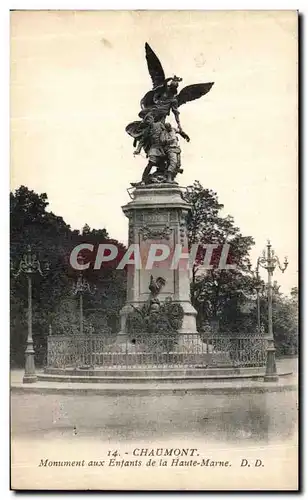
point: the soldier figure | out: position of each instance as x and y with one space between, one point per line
160 142
172 151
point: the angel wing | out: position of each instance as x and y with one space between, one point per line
192 92
154 66
146 101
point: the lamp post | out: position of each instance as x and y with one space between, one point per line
29 265
269 260
259 287
79 288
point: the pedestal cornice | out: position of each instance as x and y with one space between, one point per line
157 196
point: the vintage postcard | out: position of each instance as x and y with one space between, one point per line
154 288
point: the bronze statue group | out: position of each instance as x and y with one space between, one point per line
157 138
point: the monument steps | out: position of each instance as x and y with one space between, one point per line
124 376
163 371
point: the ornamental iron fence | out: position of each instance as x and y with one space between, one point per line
156 351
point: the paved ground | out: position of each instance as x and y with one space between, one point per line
244 416
89 427
260 417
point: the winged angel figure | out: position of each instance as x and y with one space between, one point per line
152 133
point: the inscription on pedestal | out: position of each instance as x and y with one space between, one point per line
155 233
155 217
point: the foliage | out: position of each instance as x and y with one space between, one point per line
217 294
53 302
223 298
226 298
145 323
64 320
285 322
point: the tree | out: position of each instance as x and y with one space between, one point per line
285 322
217 294
109 281
52 240
226 297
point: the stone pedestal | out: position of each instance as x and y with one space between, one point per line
157 214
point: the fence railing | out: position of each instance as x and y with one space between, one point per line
155 351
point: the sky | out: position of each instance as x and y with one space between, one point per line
77 78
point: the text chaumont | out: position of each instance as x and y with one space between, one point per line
165 452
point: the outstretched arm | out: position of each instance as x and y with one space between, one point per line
139 147
163 84
176 113
177 119
185 136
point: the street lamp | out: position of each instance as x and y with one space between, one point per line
29 265
269 260
259 288
81 287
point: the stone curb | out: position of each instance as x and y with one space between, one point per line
47 378
153 389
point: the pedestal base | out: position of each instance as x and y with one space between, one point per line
189 320
29 379
30 375
158 216
271 378
271 374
